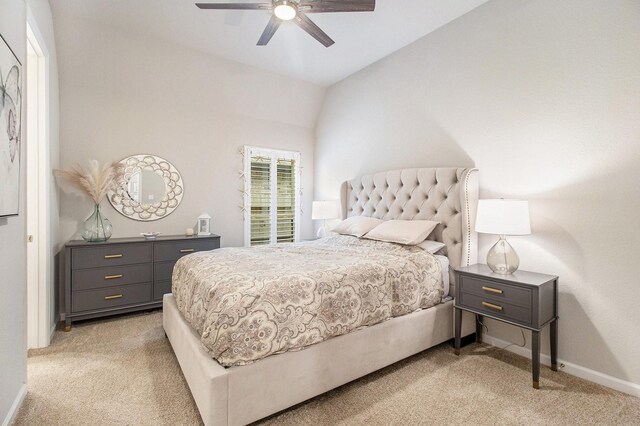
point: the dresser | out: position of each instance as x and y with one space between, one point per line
122 274
526 299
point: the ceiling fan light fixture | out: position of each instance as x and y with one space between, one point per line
285 10
296 11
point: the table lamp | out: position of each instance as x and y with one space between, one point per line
323 210
503 217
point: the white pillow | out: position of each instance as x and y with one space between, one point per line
409 232
357 225
431 246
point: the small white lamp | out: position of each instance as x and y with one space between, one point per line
323 210
503 217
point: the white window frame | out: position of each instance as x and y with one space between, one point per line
273 154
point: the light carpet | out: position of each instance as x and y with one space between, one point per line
122 371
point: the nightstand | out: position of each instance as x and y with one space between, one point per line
525 299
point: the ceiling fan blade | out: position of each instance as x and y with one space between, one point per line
269 31
235 6
307 24
321 6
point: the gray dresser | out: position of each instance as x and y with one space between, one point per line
122 275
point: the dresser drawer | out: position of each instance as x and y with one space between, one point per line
497 291
110 297
163 270
94 278
160 288
110 255
174 250
485 305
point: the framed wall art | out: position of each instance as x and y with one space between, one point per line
10 129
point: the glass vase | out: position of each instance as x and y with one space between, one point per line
96 228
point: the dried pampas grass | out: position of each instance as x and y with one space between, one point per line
95 180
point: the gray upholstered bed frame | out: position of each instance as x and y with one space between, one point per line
446 195
241 395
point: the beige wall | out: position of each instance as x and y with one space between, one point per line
124 94
544 98
13 345
13 350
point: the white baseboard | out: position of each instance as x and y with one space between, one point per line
13 411
570 368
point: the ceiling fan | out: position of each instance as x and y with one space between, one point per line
296 11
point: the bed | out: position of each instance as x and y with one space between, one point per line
235 390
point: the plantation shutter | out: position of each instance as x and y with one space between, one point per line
260 200
272 202
286 201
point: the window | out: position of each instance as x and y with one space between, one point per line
272 197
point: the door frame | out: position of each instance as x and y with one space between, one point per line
40 304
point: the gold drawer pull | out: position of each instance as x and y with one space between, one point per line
187 250
113 256
492 290
115 296
112 277
492 306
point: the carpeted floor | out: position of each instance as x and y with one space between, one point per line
123 372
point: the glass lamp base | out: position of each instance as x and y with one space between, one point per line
322 231
502 258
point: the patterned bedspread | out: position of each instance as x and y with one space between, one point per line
249 303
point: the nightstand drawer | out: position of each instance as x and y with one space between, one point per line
491 307
497 291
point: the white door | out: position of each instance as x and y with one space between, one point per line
32 196
38 180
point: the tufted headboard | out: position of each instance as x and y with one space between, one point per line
448 195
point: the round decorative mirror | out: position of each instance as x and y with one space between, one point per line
150 189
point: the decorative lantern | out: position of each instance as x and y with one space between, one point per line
204 224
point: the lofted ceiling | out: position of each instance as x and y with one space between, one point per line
361 38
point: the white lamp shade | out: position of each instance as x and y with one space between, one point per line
503 217
325 210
